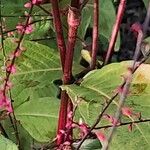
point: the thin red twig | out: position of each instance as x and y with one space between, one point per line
115 30
123 124
95 34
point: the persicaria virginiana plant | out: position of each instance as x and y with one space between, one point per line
75 74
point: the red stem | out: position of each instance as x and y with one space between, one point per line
73 22
95 34
62 117
59 31
66 60
62 48
115 30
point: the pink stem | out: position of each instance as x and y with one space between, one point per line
115 30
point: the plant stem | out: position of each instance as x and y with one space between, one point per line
124 93
115 30
8 74
2 130
95 34
62 48
123 124
14 122
73 22
59 31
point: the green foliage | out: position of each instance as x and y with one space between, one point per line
33 83
39 117
6 144
35 71
12 8
25 139
89 144
85 21
146 2
99 86
146 48
34 94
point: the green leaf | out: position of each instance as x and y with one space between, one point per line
6 144
145 48
107 17
137 139
25 139
37 68
99 86
12 8
146 2
89 144
85 21
39 117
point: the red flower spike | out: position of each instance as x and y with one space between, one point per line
9 34
18 53
74 125
84 129
2 99
20 28
69 125
8 106
9 85
35 2
70 115
119 90
5 103
11 69
111 119
101 136
126 111
28 5
29 29
67 143
62 131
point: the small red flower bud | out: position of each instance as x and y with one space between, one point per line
28 5
101 136
11 69
126 111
